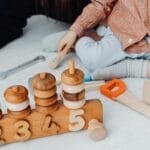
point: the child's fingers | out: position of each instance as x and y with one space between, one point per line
61 46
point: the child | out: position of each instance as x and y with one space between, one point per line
14 14
126 36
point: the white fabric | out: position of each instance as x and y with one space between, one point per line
127 130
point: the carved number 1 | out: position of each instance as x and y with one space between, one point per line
23 133
76 122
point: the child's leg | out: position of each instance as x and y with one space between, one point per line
99 54
137 68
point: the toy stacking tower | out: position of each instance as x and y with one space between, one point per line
50 116
74 99
73 87
44 88
17 101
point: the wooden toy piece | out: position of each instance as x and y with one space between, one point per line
50 117
44 88
57 60
17 101
146 92
96 130
73 87
116 90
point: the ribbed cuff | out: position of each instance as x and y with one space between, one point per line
77 28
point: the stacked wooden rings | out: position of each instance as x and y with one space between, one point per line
73 87
44 87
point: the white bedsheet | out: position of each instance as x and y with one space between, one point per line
127 130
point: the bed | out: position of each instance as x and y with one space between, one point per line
127 130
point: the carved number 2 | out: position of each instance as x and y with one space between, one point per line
76 122
23 133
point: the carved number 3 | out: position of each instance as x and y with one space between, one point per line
76 122
23 133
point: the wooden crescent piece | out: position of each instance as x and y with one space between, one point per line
96 130
45 94
74 97
43 81
16 94
46 102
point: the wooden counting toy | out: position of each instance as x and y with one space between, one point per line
50 116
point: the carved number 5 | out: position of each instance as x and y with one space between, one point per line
76 122
23 133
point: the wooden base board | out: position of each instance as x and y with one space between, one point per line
47 122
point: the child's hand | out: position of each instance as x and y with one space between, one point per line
67 42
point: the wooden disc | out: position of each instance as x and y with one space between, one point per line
74 97
19 114
48 109
46 102
45 94
43 81
72 79
16 94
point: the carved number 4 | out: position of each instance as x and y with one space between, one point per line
23 133
76 122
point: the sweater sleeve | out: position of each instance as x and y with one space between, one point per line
92 14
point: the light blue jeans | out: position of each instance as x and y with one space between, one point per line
99 54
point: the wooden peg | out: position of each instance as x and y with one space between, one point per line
96 130
15 89
43 75
72 67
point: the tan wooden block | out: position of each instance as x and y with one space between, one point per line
40 124
96 130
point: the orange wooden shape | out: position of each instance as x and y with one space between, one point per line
113 88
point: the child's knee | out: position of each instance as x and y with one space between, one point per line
84 50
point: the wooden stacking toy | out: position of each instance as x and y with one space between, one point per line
50 116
